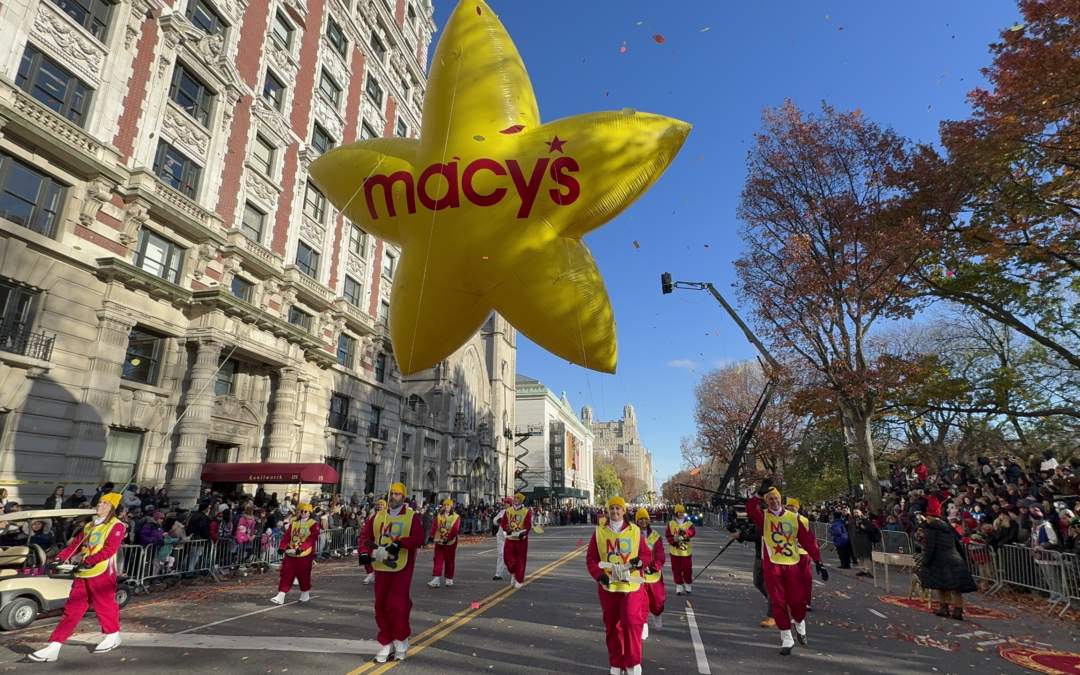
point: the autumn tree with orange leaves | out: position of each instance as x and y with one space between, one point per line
829 255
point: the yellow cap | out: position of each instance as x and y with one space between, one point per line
794 502
398 487
772 491
519 496
617 501
304 507
448 502
642 513
679 508
381 501
113 498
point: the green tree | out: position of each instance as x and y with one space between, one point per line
605 479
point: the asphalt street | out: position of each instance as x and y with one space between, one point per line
551 625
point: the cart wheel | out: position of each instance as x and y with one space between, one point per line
123 595
18 614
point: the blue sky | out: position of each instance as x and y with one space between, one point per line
908 65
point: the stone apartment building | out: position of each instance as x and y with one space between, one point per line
622 437
175 292
554 454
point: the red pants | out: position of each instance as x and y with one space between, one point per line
624 617
808 579
785 584
99 591
656 596
368 569
445 554
516 555
393 604
298 568
682 568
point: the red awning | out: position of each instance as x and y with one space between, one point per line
269 472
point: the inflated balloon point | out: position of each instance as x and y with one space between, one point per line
489 205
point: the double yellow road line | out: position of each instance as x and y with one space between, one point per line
443 628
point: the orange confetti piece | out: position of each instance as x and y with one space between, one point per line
694 472
637 245
858 112
659 39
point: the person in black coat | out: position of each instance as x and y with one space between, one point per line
943 565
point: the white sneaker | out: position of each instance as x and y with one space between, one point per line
400 647
658 622
111 642
686 587
645 631
617 671
384 653
636 670
449 582
48 654
434 583
678 589
369 579
278 599
517 585
786 642
295 582
305 596
800 631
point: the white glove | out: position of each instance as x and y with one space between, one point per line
380 554
619 572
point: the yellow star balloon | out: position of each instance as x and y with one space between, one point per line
489 206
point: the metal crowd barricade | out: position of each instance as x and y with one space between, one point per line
1070 569
982 563
821 531
1037 569
896 542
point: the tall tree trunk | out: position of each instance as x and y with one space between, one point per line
857 435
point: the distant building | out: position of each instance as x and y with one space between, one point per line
555 454
621 437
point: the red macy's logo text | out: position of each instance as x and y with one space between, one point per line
566 193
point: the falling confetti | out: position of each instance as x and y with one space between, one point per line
705 245
705 28
623 49
659 39
826 16
950 273
637 245
942 77
840 28
1017 27
579 542
858 112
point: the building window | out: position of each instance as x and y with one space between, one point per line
366 132
307 260
401 131
47 82
191 94
380 368
346 350
377 47
357 240
338 465
204 17
329 89
389 264
374 422
144 351
337 37
158 256
253 223
374 91
283 30
410 13
299 319
218 453
353 291
262 156
405 91
226 378
93 15
179 172
28 198
242 288
384 312
315 203
121 456
369 478
321 139
339 411
17 306
273 91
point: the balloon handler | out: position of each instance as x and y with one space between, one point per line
517 523
95 579
782 534
617 555
445 533
298 547
388 542
653 574
679 533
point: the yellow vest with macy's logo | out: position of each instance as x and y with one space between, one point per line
389 529
93 541
780 540
685 548
651 540
515 518
620 547
446 526
299 531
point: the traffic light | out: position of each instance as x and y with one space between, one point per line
665 283
517 473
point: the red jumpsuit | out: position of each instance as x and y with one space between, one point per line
392 602
807 569
298 567
445 553
682 566
100 590
655 589
624 613
516 552
785 583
